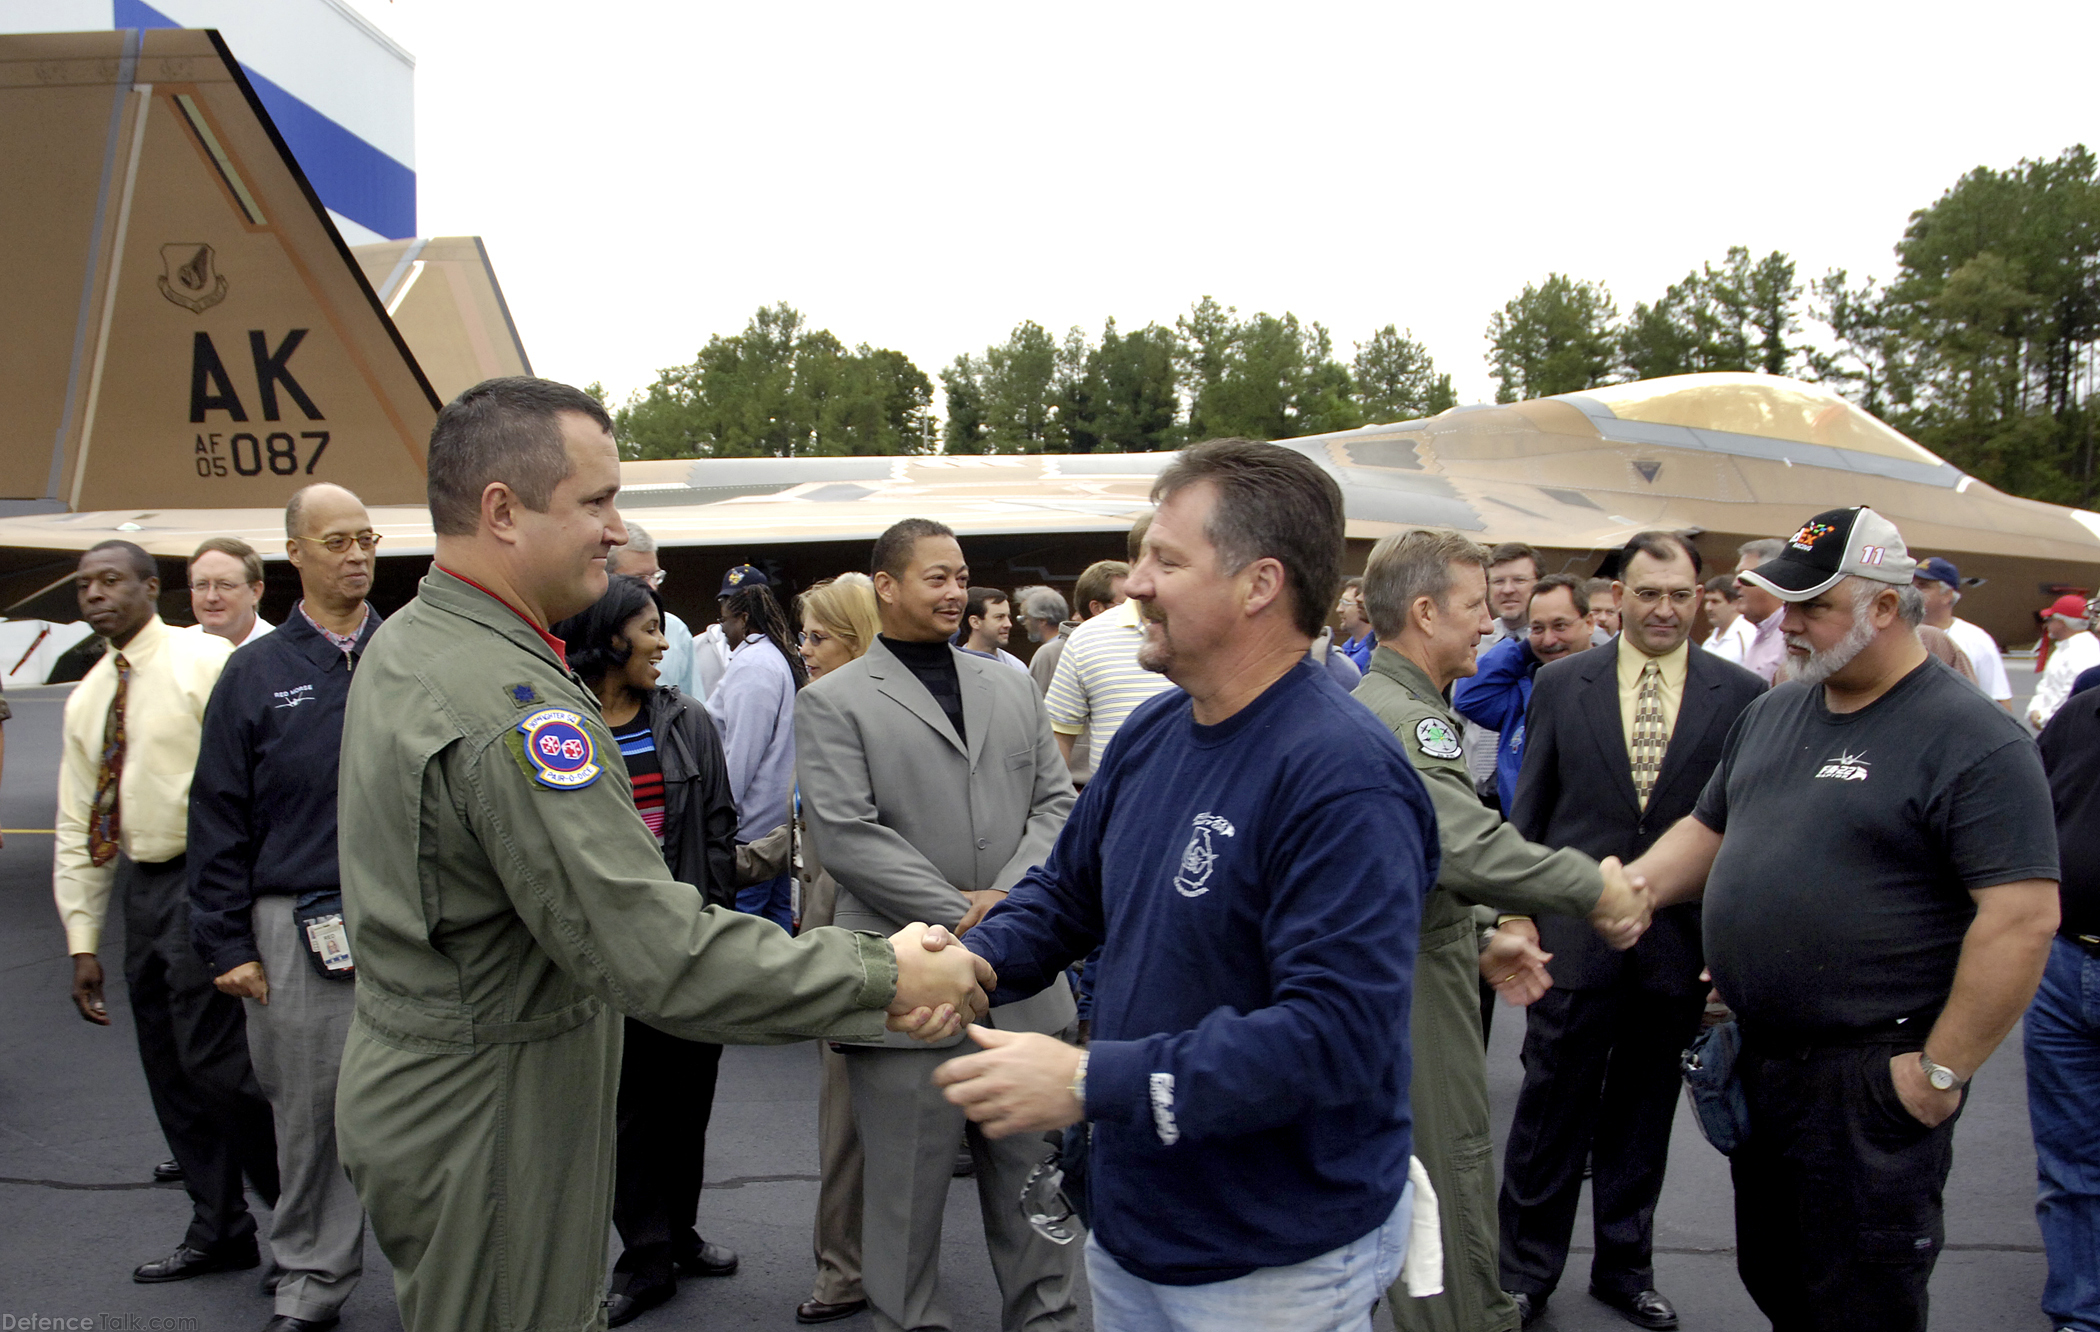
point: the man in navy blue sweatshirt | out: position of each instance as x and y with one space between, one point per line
266 909
1247 1078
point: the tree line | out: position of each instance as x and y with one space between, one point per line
1981 346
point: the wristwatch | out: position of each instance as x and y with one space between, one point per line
1939 1075
1078 1084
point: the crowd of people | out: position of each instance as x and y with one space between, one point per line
1182 937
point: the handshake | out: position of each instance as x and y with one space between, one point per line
941 985
1624 908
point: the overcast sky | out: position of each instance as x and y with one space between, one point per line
925 176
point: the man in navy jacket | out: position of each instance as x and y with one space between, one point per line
1246 1083
265 890
1498 695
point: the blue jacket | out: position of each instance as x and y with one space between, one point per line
1247 1077
1497 697
1359 650
262 802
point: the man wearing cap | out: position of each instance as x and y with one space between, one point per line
1939 582
1877 960
2072 651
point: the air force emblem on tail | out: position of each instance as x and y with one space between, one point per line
560 749
1192 879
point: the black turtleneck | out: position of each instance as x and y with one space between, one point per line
934 664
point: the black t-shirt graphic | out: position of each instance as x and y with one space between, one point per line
1841 892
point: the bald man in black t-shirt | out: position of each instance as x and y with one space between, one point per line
1878 861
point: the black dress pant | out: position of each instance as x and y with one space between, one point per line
193 1042
667 1095
1837 1190
1600 1086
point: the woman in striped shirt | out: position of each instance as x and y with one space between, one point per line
674 760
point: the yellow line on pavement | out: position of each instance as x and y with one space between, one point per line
28 832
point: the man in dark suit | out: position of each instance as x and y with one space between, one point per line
1618 744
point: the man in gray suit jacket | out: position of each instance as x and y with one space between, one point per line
931 782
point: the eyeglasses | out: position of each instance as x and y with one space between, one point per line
1043 1201
1682 598
338 544
204 587
813 638
657 579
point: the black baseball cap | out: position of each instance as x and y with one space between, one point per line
1833 546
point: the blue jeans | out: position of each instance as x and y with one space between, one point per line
2063 1104
1334 1292
770 899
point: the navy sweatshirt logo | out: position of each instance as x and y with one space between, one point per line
1201 857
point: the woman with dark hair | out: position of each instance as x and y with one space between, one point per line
667 1086
754 708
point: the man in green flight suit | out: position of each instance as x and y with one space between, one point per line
506 904
1426 593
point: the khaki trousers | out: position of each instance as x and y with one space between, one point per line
317 1232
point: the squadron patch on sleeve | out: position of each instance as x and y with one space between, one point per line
559 749
1436 739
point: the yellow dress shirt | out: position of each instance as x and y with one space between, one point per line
1631 662
172 674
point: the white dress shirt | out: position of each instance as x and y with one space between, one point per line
1734 642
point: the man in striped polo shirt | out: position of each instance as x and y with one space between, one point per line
1098 681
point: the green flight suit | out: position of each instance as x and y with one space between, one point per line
1485 863
500 925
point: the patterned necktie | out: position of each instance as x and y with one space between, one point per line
1649 739
104 826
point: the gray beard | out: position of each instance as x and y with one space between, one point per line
1820 666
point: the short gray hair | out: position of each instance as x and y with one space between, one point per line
1410 566
1910 603
1764 548
1044 603
638 539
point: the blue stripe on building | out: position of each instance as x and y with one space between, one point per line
351 176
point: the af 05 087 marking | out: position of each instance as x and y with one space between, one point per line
247 454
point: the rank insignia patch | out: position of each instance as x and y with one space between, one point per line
523 695
1436 739
559 749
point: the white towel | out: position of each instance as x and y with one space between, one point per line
1423 1268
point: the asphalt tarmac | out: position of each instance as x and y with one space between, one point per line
78 1140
